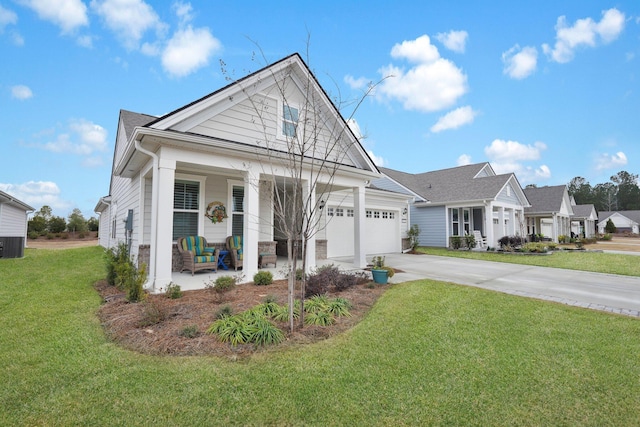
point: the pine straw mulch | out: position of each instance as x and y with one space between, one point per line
155 325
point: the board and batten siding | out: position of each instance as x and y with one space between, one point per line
13 221
508 195
432 223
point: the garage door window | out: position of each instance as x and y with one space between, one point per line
350 213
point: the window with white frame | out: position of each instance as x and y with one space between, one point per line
467 221
339 212
237 210
329 211
350 213
290 117
186 205
392 215
368 214
385 215
455 222
376 214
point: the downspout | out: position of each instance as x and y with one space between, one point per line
154 213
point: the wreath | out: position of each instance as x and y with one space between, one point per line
216 212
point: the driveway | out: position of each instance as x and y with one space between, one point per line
607 292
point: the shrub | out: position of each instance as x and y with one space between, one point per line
282 313
339 307
319 318
471 241
152 314
263 278
535 247
610 227
511 242
190 331
413 233
563 238
247 327
50 236
224 311
173 291
33 235
456 242
113 257
221 285
263 332
605 237
134 284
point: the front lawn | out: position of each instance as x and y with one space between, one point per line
427 353
598 262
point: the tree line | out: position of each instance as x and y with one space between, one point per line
44 222
621 193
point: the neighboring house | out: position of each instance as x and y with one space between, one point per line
583 220
550 211
458 201
13 226
231 148
625 221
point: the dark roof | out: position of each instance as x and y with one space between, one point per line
582 211
452 184
132 120
632 215
544 199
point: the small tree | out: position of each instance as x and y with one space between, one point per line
57 224
413 234
77 221
93 224
610 227
37 224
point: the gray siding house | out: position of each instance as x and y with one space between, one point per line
458 201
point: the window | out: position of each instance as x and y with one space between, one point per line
467 224
339 212
368 214
455 222
392 215
329 211
186 202
237 210
290 118
350 213
376 214
385 215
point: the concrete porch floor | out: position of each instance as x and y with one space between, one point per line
200 279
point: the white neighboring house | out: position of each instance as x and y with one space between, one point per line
13 226
583 220
219 148
550 211
625 221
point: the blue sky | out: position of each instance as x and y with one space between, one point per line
549 90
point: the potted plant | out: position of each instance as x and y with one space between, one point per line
380 272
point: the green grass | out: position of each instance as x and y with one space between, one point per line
627 265
427 353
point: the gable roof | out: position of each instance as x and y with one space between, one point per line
632 215
10 200
458 184
179 124
546 199
582 211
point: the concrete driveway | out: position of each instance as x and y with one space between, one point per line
607 292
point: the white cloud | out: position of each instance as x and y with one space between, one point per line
85 41
431 85
128 19
511 157
610 161
7 17
69 15
82 137
454 119
37 194
188 50
520 62
453 40
21 92
584 33
183 12
463 160
355 128
354 83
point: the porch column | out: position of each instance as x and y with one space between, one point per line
554 226
512 222
312 215
161 260
488 225
501 228
251 226
359 251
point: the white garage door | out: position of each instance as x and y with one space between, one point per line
382 231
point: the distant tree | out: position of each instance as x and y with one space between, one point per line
93 224
610 227
605 197
628 194
46 212
76 222
57 224
37 224
581 191
531 186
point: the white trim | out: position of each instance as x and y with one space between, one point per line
201 180
230 184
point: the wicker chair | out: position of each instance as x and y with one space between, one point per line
196 255
234 246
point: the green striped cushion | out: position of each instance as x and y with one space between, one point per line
204 258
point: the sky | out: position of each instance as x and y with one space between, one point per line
549 90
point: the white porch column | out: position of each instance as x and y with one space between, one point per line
359 251
501 222
512 222
251 226
162 250
312 214
488 224
555 228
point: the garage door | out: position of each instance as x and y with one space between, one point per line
382 231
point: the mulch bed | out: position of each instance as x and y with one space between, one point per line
155 325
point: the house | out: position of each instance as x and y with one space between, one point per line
458 201
235 150
583 220
625 221
550 211
13 226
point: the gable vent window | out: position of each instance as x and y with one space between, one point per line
186 196
289 121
